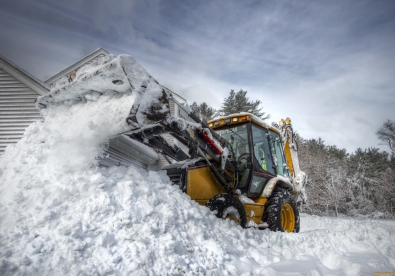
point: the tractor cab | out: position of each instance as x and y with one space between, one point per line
256 150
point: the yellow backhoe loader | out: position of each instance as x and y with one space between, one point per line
237 165
260 191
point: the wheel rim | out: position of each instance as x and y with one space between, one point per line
288 218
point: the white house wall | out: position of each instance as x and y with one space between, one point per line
17 109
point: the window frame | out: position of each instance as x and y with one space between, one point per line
258 166
282 153
249 142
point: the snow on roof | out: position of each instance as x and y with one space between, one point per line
23 76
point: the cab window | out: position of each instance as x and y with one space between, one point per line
258 182
237 136
262 149
278 151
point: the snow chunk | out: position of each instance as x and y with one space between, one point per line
246 200
231 211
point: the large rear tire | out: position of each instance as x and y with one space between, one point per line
227 205
281 212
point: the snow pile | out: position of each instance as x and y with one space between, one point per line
61 214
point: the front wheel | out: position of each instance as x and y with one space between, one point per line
281 212
228 206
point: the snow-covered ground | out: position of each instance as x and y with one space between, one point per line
62 214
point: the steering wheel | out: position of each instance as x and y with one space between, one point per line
243 156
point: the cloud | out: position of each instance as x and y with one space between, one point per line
327 65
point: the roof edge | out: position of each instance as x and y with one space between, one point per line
23 76
75 65
174 93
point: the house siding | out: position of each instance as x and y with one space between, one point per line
17 109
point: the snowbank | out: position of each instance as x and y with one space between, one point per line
61 214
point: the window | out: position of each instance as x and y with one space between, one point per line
238 139
278 150
257 185
262 149
237 136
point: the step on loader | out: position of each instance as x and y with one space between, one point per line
237 165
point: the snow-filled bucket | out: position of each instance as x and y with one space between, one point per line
119 75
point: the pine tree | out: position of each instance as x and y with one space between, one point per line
195 108
238 102
203 111
387 134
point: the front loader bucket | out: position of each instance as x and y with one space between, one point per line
120 74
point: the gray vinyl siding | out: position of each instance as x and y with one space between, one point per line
172 106
17 109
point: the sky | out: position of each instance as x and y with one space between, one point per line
327 65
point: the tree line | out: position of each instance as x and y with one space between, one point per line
236 102
339 183
360 183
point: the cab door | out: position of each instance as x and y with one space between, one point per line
263 164
278 150
262 151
